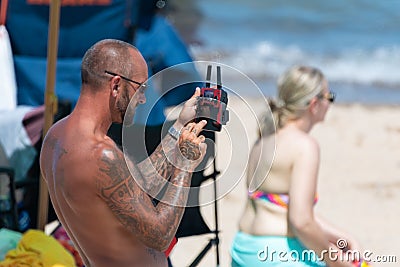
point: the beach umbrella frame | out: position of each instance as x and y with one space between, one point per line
50 101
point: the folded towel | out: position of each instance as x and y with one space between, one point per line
8 240
36 249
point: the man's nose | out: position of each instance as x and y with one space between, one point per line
142 99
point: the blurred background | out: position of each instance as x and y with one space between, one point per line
356 44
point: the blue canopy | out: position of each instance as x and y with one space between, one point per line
80 27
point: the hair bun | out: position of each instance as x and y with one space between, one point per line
275 105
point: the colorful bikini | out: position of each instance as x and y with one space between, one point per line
281 200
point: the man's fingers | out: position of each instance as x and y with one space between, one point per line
194 128
199 140
193 100
199 126
196 93
190 126
187 130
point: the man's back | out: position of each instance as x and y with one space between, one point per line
71 163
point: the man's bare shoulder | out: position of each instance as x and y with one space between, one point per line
111 167
106 149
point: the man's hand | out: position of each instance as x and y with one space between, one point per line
191 146
188 111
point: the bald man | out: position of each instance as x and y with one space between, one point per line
102 200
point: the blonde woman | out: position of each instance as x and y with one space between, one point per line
279 226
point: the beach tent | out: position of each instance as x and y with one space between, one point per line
80 26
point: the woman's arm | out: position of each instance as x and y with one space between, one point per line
301 207
335 234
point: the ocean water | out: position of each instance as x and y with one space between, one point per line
355 43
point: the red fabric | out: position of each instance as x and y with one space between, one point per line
61 236
73 251
3 12
171 246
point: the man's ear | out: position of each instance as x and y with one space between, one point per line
114 86
115 90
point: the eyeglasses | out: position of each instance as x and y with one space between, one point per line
143 85
331 96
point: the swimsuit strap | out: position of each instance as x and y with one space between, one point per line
281 200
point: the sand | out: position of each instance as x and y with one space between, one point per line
359 178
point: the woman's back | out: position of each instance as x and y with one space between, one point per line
266 209
279 215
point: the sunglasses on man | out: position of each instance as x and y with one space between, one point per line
143 85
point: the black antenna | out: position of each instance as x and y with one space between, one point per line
219 83
208 77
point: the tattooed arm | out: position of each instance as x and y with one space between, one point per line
158 168
159 164
118 186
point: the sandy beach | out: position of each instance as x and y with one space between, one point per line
358 187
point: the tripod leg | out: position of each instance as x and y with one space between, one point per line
201 255
217 250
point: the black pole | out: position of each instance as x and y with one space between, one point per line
215 172
215 240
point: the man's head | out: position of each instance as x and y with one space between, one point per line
117 70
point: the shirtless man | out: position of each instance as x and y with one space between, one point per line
99 197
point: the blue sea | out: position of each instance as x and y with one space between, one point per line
355 43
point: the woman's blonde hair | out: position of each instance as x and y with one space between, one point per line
296 87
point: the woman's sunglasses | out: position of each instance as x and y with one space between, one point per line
331 96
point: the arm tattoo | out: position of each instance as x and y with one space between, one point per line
154 226
157 167
53 143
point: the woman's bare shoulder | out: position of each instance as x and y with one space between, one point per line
297 142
